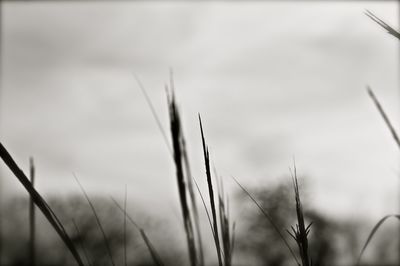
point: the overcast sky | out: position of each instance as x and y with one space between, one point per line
271 80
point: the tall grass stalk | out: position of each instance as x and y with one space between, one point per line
190 187
106 243
40 203
211 195
32 258
220 221
193 210
176 135
300 233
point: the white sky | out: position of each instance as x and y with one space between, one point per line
271 80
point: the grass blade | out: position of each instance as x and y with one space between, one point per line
384 116
176 135
206 209
195 212
153 252
193 204
372 233
151 248
125 200
32 229
97 221
81 242
233 237
225 225
40 203
189 181
381 23
211 193
153 112
269 218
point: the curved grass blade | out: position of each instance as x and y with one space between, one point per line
372 233
384 116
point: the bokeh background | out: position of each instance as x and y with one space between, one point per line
272 81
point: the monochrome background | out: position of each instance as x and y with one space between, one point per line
273 81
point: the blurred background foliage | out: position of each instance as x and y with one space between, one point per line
332 241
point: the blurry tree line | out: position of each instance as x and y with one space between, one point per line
332 241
